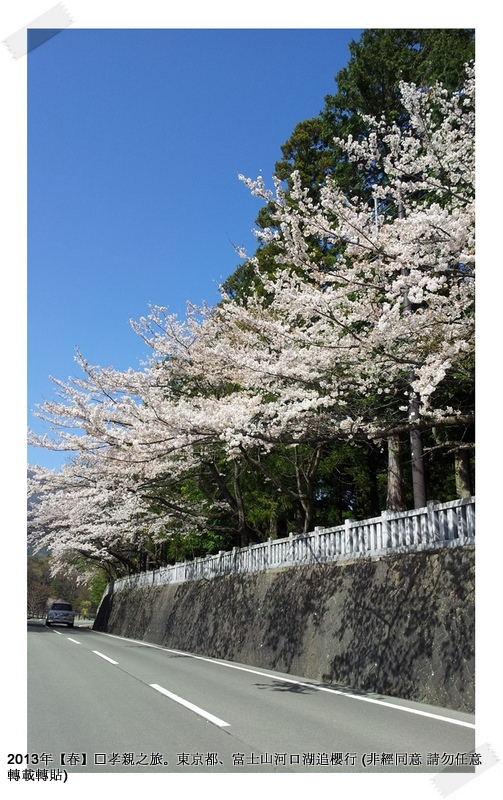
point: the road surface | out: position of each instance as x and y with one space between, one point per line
101 703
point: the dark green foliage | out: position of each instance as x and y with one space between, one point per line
351 483
369 85
96 588
246 279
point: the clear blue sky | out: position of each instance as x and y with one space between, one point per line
135 142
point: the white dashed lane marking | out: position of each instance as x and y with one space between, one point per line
191 706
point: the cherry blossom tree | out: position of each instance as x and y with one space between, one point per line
364 334
376 296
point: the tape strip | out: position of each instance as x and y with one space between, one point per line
448 782
42 28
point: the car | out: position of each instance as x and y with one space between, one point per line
61 613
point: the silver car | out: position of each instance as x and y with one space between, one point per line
61 613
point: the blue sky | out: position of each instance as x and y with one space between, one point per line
136 138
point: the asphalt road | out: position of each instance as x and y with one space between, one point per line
100 703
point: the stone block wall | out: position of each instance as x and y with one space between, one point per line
402 626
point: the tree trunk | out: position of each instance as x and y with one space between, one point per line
395 500
273 524
305 487
462 473
417 457
246 532
373 471
305 483
416 439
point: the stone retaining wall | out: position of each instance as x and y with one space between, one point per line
402 626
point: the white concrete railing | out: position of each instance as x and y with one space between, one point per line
435 526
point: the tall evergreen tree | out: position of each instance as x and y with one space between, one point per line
368 85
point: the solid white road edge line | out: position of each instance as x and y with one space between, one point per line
191 706
105 657
350 696
347 694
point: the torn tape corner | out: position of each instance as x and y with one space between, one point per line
38 31
448 782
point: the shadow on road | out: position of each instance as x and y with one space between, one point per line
39 626
283 686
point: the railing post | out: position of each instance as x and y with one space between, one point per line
452 523
348 543
433 526
470 518
385 530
